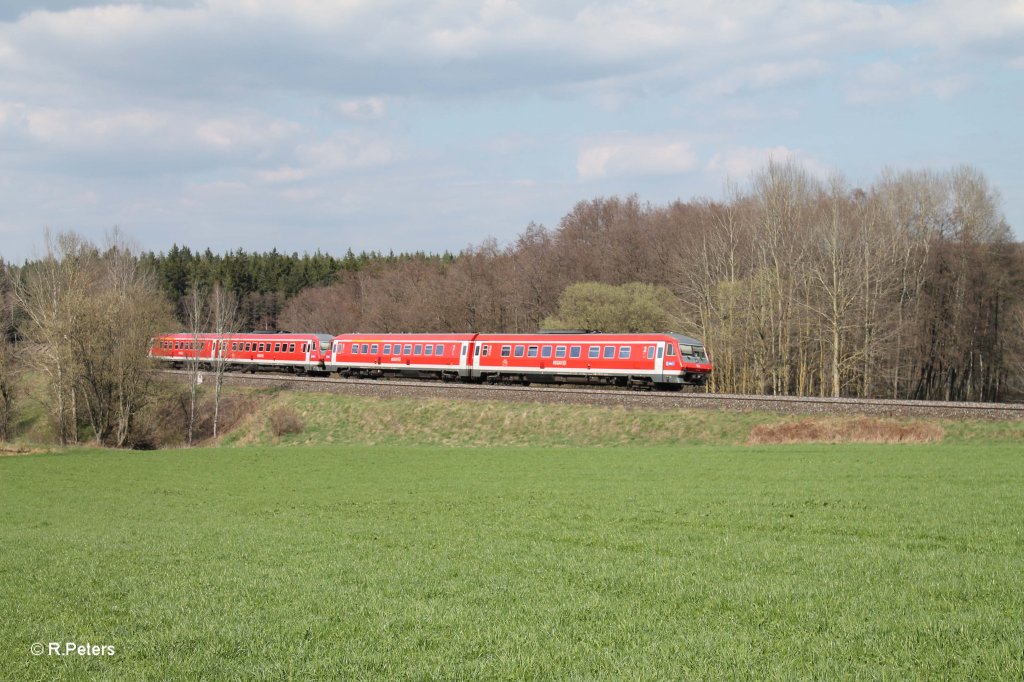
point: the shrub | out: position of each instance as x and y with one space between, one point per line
284 420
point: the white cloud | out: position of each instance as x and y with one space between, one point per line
888 81
512 144
760 77
629 156
340 152
365 109
740 162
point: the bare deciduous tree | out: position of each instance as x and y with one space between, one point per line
224 322
51 292
197 315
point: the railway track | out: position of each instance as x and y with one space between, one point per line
399 388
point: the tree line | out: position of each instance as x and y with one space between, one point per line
261 282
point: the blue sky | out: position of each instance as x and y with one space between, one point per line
387 124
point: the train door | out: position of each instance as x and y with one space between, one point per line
659 362
475 362
465 359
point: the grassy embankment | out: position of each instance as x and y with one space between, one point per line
820 561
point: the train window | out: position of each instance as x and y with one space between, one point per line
291 347
428 350
373 349
650 352
365 348
465 348
560 352
234 346
277 348
575 351
476 351
594 352
439 349
408 349
417 349
659 353
685 350
671 352
545 352
624 352
506 351
387 349
520 351
609 352
532 352
487 350
355 349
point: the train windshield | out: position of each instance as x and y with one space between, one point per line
693 351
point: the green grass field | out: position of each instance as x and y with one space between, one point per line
810 561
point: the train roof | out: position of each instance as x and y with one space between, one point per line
686 340
593 335
261 334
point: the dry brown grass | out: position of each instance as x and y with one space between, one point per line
284 420
9 450
846 430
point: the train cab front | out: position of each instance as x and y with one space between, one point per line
694 364
320 353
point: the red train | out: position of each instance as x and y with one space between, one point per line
663 361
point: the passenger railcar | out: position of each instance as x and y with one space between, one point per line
419 356
249 351
665 361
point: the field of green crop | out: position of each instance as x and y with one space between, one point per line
808 561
